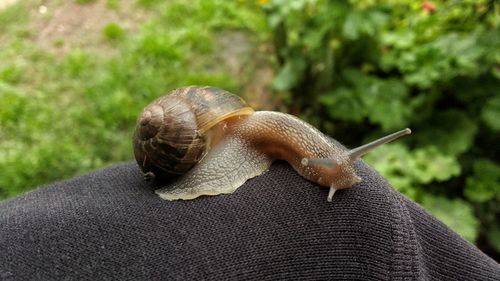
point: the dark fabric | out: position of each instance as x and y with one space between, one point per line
109 225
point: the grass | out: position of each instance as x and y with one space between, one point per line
113 31
64 115
13 17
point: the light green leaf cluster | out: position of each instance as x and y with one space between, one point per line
382 101
408 169
484 184
455 213
366 68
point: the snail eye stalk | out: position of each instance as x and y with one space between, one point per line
328 163
356 153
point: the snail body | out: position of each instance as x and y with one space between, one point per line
215 142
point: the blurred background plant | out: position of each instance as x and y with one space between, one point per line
74 75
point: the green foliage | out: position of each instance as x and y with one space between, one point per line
85 1
12 17
113 4
11 73
365 96
493 236
71 113
77 63
113 31
491 113
484 184
409 170
359 69
148 3
455 213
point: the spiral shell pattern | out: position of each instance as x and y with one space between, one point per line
171 133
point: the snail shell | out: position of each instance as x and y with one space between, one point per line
173 132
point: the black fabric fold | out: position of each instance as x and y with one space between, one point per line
109 225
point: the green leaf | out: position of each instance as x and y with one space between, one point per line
484 184
354 25
424 66
280 9
493 235
491 113
407 170
452 132
429 164
393 162
383 101
462 51
343 104
455 213
290 75
360 23
387 103
401 39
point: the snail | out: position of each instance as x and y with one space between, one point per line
211 142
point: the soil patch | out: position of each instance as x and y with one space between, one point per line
62 26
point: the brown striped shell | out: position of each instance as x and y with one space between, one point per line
172 132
